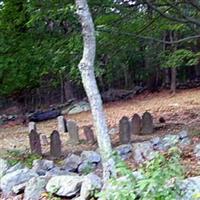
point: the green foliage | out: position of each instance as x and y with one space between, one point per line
180 58
158 182
15 156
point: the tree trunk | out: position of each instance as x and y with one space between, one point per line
173 80
86 67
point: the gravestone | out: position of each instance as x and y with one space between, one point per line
55 144
32 126
147 123
73 131
44 140
61 124
124 130
34 140
136 124
89 134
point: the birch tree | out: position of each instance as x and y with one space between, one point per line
86 67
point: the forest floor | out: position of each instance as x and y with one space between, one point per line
181 111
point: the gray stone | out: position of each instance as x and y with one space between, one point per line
124 130
197 151
138 175
55 144
65 186
19 188
32 126
170 141
183 134
113 131
190 187
41 166
91 182
61 124
3 167
15 167
79 107
157 144
143 151
86 167
15 178
72 162
124 150
136 124
147 123
90 156
73 131
34 140
34 188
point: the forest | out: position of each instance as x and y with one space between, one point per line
100 100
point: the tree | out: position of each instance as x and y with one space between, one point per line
86 67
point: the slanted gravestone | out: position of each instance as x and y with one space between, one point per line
55 144
89 134
147 123
32 126
34 140
73 131
61 124
136 124
124 130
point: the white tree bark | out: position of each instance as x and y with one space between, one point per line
86 67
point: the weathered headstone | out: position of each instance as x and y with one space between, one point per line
136 124
43 139
32 126
73 131
147 123
55 144
61 124
89 134
124 130
35 145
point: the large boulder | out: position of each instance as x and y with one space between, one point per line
124 150
72 162
169 141
190 188
65 186
34 188
91 182
76 108
4 166
15 178
143 151
90 156
15 167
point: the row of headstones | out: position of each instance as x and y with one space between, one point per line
135 126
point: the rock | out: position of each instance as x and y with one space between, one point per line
124 150
86 167
143 151
76 108
32 126
72 162
41 166
136 124
34 140
113 131
190 187
61 124
3 167
15 167
91 182
183 134
15 178
56 171
89 134
90 156
147 123
138 175
19 188
170 141
157 144
64 186
44 140
197 151
34 188
55 144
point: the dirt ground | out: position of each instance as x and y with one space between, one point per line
180 111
